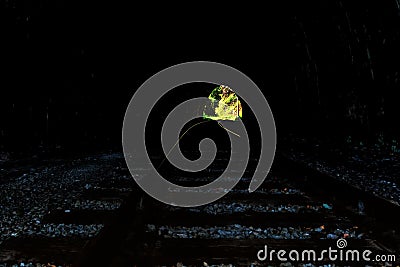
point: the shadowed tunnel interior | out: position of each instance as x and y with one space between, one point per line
329 70
326 67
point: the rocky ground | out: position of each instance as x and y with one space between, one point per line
373 168
33 200
238 231
30 202
231 208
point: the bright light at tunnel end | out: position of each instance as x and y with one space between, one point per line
151 91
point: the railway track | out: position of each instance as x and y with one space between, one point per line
295 208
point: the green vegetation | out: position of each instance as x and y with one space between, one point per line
224 105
